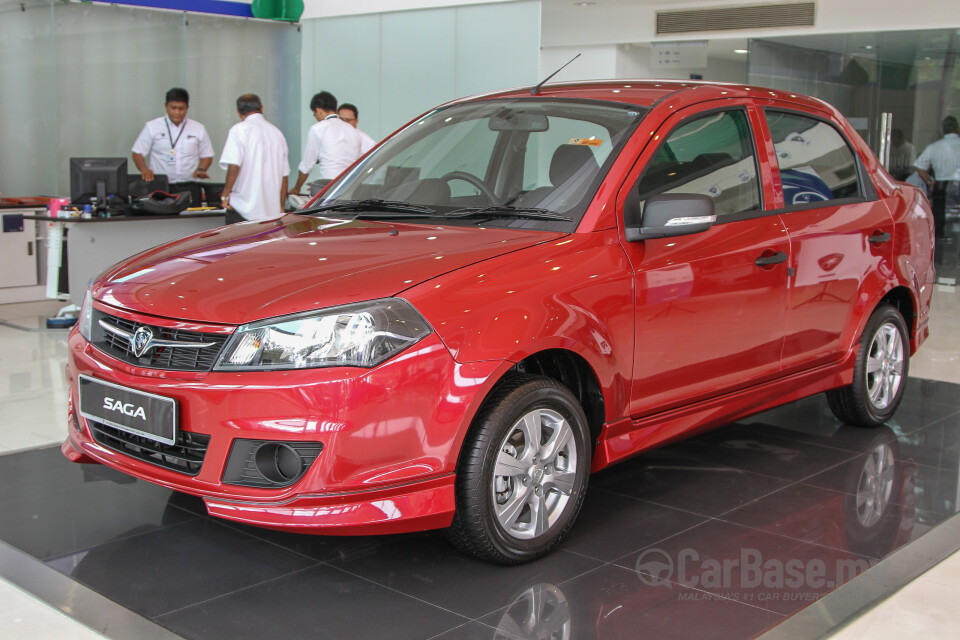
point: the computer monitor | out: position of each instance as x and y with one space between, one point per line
98 178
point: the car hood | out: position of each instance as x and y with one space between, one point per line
251 271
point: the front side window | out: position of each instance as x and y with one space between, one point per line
816 164
709 155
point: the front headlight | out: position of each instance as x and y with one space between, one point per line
356 335
85 317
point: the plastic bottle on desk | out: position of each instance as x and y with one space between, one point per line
87 211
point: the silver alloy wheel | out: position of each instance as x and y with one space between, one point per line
885 366
875 486
534 475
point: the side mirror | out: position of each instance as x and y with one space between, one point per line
672 214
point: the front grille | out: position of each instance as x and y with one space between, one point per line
186 456
159 357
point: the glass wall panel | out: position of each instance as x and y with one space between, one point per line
225 58
28 127
910 75
81 79
396 65
497 48
113 67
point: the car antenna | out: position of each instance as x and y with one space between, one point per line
536 89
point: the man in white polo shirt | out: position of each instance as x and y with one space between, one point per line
332 143
173 144
255 159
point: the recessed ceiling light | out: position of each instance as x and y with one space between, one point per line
585 4
741 50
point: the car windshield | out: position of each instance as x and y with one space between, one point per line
521 162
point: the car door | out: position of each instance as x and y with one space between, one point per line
710 307
840 234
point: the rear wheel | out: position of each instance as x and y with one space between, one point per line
522 473
879 375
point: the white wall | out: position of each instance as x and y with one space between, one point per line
565 24
601 62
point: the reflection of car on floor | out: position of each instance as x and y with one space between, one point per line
871 517
511 291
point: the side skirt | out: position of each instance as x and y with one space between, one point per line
628 437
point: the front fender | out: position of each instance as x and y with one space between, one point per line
575 293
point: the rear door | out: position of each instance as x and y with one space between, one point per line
709 318
840 234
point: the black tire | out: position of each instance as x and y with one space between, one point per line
880 372
524 512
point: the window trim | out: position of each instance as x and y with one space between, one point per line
758 212
868 191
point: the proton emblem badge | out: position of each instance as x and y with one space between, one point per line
141 341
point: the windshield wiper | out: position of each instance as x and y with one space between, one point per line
531 213
370 204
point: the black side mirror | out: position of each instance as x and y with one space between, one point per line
672 214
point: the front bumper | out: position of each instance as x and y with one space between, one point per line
390 436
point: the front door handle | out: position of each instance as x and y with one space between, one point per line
879 238
773 258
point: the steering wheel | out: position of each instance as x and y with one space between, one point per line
474 180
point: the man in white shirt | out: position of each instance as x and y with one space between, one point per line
349 114
944 157
332 143
173 144
255 159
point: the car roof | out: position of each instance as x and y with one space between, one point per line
646 93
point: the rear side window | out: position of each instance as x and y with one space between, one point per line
816 164
709 155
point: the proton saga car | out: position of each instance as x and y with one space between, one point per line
508 293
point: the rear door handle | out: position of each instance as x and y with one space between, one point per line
879 238
774 258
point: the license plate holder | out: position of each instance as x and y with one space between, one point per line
136 412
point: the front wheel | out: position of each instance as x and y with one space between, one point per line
522 472
879 374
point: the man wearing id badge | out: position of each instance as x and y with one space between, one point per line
173 144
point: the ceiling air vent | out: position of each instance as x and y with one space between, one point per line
764 16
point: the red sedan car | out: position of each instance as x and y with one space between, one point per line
510 292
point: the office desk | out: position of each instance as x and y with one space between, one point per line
98 243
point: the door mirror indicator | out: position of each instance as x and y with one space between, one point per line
674 214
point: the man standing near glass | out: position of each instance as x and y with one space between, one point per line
943 156
349 114
173 144
331 142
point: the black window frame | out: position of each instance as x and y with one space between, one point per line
868 190
759 212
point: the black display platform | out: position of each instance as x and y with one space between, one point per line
725 535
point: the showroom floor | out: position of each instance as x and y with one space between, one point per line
759 527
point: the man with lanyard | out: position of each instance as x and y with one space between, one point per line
173 144
943 156
332 143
